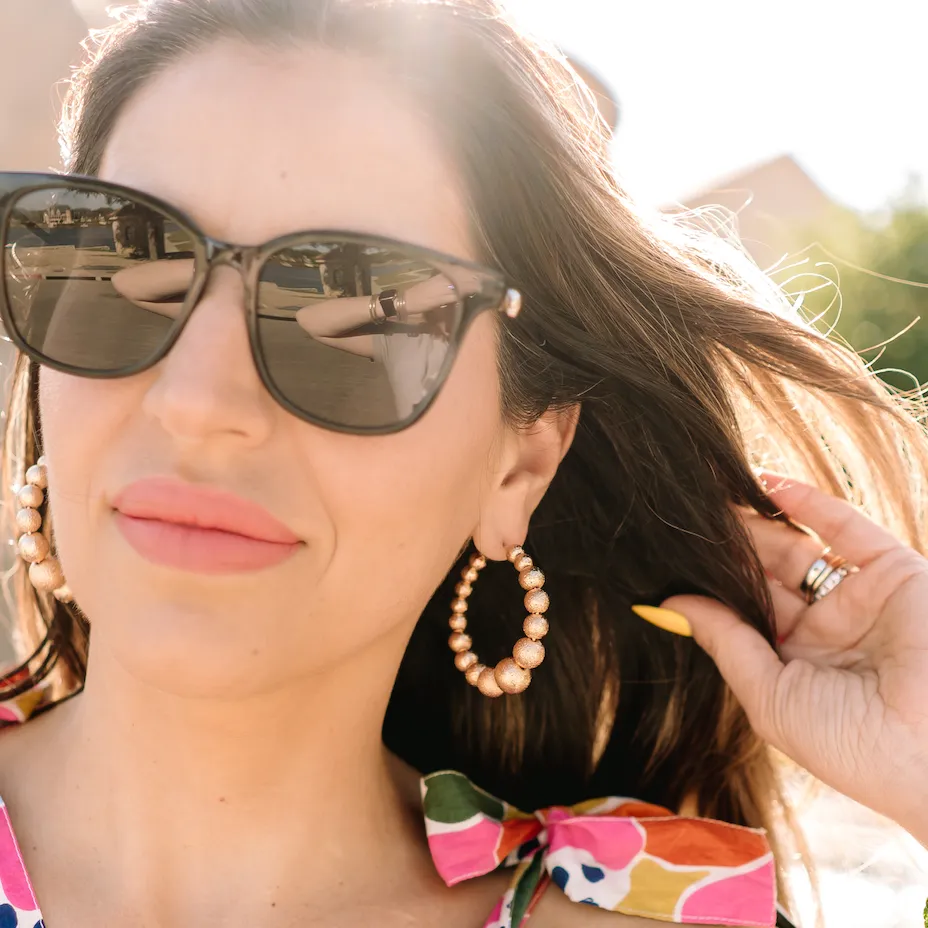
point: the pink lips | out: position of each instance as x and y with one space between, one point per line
200 529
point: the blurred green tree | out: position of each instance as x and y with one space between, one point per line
866 276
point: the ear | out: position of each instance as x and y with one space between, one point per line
526 466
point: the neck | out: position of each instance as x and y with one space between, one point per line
273 792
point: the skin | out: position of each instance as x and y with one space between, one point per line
216 706
859 656
211 702
229 732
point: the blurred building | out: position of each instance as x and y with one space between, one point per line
773 202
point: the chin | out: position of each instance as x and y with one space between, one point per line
191 652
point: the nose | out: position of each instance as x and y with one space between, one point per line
207 388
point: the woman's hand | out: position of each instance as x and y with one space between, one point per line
847 697
332 321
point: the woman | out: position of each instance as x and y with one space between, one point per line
264 532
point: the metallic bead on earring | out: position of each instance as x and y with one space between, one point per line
512 674
45 571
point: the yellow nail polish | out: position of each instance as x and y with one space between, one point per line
666 619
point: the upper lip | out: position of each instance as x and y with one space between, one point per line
167 499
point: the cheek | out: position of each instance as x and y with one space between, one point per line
81 421
418 494
78 412
71 427
387 517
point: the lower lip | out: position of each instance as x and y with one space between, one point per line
200 550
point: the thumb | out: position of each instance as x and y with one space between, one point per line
746 661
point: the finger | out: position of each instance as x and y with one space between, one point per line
788 610
849 532
458 280
748 664
436 291
786 553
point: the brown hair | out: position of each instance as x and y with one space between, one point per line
690 366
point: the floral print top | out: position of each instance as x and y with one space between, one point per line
617 854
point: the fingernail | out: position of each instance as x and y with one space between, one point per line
760 475
771 481
666 619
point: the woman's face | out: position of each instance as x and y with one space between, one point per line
254 144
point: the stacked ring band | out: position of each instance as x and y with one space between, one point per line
824 576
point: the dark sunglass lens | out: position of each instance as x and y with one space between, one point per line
357 335
94 281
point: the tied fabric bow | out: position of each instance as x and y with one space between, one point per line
617 854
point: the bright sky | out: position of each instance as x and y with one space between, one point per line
707 87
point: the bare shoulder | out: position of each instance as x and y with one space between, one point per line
555 910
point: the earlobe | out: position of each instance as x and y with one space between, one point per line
530 461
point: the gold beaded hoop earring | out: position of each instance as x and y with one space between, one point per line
512 674
45 571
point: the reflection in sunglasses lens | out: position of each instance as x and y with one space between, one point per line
349 332
355 334
94 281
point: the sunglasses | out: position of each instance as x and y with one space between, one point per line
354 333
